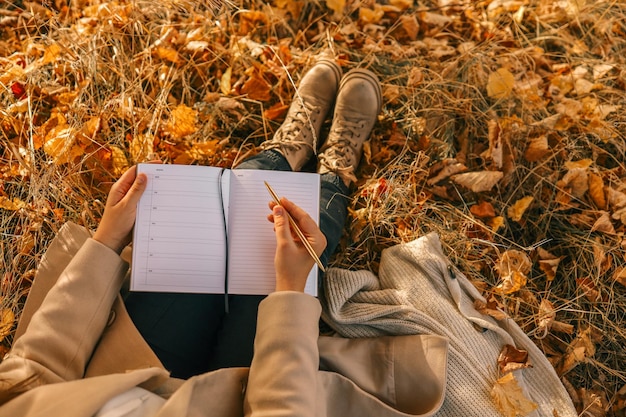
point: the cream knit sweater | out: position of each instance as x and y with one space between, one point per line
418 291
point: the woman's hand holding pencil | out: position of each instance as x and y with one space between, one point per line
295 252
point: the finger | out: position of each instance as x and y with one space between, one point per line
301 217
281 225
121 186
136 190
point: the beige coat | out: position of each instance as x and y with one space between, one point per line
78 342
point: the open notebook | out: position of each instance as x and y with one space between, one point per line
201 228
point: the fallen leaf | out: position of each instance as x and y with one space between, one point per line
478 181
336 6
619 275
445 169
517 210
256 88
513 266
410 26
225 81
11 204
491 308
509 397
575 182
371 16
500 84
120 163
7 320
182 122
537 149
484 209
511 359
548 263
167 54
496 223
596 190
604 224
546 316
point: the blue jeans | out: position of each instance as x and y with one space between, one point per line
191 333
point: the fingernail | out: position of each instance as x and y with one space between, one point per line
140 180
278 211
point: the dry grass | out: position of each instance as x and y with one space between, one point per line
110 87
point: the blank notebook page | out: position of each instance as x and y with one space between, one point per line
251 238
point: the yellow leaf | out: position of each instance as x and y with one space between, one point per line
496 223
11 204
402 4
182 122
120 163
517 210
500 83
50 54
7 319
509 397
142 147
225 81
60 145
478 181
581 163
371 16
167 54
336 6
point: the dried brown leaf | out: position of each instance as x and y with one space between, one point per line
537 149
509 397
512 359
478 181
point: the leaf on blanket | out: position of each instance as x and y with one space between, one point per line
512 359
509 397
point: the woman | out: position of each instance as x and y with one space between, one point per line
77 353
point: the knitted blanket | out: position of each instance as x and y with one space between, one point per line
418 291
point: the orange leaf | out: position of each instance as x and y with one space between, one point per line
276 111
256 88
517 210
410 26
225 81
537 149
596 190
120 163
483 210
167 54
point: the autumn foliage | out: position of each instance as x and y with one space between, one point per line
503 129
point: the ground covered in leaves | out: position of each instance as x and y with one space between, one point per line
503 129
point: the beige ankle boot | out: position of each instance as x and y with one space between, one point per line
358 103
298 137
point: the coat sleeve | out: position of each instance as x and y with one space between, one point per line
283 374
64 331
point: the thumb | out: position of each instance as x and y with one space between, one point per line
137 189
281 224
